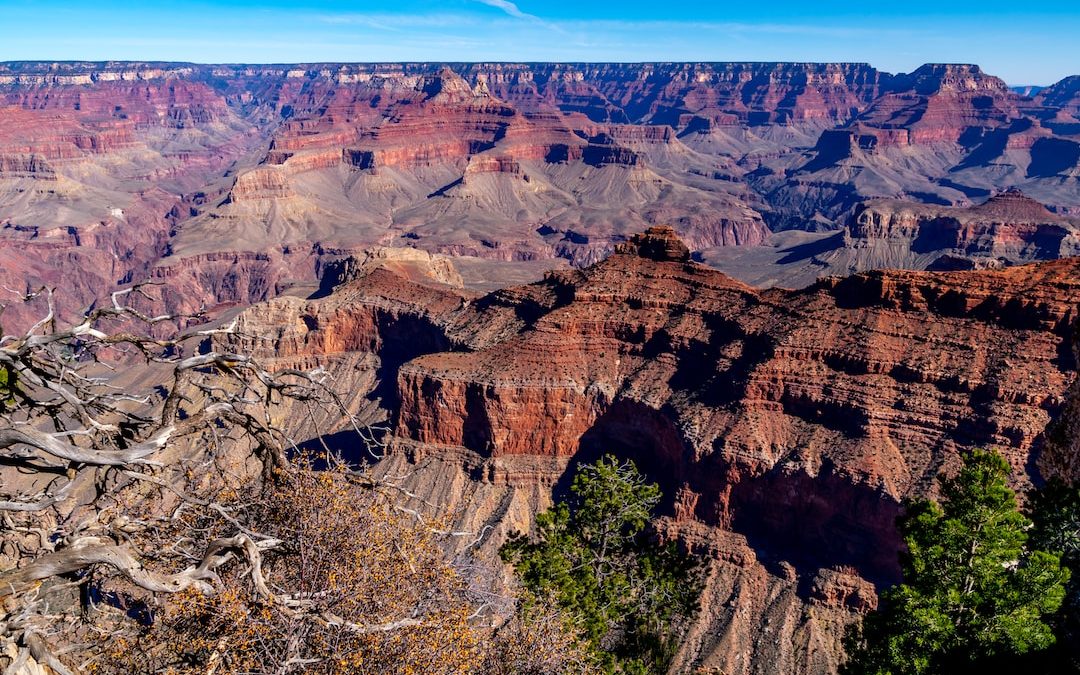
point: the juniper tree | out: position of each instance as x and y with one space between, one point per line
631 596
972 588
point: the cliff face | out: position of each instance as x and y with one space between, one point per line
631 343
1064 95
939 103
1062 455
946 134
677 94
785 427
512 163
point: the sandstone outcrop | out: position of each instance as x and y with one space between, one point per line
786 427
98 166
678 93
772 353
1062 455
946 134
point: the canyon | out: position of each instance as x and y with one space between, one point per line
794 294
786 428
232 184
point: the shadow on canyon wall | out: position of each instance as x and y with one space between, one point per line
810 521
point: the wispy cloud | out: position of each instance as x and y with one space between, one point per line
510 8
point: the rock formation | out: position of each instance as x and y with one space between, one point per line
1007 229
785 427
135 170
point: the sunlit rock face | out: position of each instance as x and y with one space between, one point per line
121 171
785 427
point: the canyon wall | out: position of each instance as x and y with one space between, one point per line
785 427
125 171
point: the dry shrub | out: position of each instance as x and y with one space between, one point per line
363 587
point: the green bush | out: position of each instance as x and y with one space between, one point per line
631 596
973 590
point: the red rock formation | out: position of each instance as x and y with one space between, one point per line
676 93
942 135
93 167
487 176
773 354
939 103
657 243
1062 455
513 162
784 426
796 420
1008 228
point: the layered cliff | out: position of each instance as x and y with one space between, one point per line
1006 229
786 427
1064 95
944 134
681 94
512 163
627 329
939 103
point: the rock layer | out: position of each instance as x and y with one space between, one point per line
514 163
785 427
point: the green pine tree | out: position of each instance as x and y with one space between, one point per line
1055 509
629 595
972 590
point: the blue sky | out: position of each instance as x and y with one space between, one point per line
1023 42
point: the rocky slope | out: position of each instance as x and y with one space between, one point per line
1006 229
235 181
785 427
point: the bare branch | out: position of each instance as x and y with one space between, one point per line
89 551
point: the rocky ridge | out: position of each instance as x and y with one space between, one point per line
785 427
1007 229
509 163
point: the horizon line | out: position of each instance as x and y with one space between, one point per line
44 61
